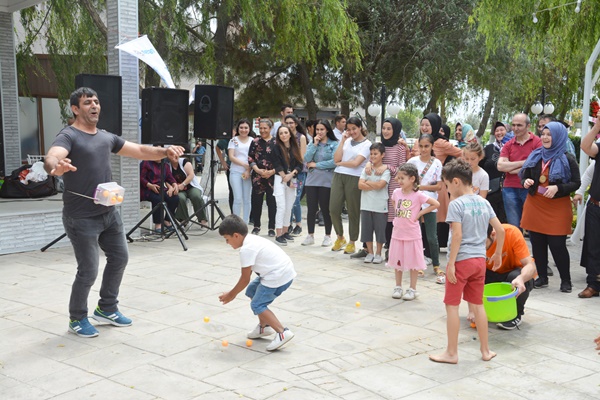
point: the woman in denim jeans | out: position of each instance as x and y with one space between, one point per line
239 177
319 160
297 131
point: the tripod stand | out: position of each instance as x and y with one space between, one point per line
165 212
212 203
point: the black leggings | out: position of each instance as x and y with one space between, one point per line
317 197
558 246
257 206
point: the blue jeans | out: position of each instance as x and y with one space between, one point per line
88 236
514 199
297 209
242 191
262 296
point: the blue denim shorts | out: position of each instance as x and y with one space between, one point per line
262 296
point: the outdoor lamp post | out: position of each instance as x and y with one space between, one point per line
376 109
542 108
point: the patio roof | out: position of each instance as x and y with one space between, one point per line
16 5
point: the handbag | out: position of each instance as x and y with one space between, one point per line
14 189
495 185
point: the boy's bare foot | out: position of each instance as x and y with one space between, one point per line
444 358
488 356
471 317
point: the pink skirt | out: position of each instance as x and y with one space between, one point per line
406 255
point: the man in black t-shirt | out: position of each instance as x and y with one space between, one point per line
81 153
590 253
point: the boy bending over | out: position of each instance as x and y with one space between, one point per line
275 272
469 216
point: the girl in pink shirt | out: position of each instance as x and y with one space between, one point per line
406 246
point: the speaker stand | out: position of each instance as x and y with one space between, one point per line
177 229
212 203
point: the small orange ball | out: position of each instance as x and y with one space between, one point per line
113 200
206 319
119 198
358 304
249 342
473 325
105 193
225 343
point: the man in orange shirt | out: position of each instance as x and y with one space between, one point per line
517 267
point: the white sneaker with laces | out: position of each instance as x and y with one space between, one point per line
369 258
377 259
281 339
260 331
410 294
327 242
310 239
428 261
397 292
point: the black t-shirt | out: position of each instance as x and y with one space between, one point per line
179 174
91 155
595 186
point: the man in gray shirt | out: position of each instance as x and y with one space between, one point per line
81 152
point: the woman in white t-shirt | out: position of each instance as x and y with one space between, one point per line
239 175
430 181
350 158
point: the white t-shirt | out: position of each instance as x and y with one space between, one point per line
481 181
240 152
269 261
338 134
431 177
350 153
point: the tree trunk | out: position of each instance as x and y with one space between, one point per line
220 42
486 114
368 89
432 104
443 108
344 93
307 89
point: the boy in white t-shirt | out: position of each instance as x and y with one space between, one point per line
275 272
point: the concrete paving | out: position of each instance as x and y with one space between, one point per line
341 351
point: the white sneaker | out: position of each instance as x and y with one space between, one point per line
369 258
377 259
310 239
428 261
327 241
397 292
410 294
260 331
281 339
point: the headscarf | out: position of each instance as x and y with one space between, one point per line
560 171
397 128
499 144
446 130
436 124
465 133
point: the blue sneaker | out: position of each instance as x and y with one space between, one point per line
114 318
82 328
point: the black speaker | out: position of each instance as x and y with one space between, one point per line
109 89
164 116
213 112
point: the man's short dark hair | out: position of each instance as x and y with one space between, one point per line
458 168
378 146
284 106
547 116
81 92
233 224
338 118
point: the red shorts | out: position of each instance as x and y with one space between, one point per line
470 278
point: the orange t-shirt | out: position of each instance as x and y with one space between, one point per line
513 251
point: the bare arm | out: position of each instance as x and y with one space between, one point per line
351 164
239 286
454 247
587 143
500 234
431 188
339 152
56 162
512 167
153 153
433 204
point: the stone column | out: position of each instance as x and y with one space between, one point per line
122 23
9 102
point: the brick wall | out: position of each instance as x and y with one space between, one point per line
122 22
8 90
31 231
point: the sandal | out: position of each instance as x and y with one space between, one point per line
421 273
441 278
436 269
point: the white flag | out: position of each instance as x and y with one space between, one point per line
145 51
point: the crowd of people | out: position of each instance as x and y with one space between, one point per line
411 201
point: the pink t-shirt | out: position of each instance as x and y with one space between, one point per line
406 209
515 151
